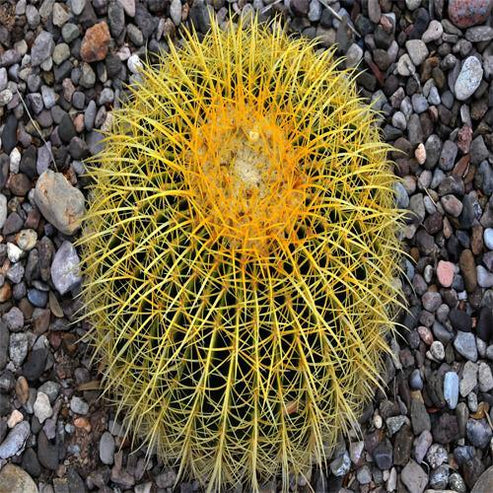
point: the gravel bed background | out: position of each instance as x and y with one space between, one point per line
426 64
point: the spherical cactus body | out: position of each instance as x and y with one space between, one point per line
240 256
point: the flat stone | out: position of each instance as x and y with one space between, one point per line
15 440
465 345
42 48
60 203
65 268
469 378
414 478
13 479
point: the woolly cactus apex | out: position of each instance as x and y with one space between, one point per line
240 254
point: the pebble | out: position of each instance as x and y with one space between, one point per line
469 78
60 203
469 378
466 13
414 477
451 389
485 278
417 51
77 6
485 377
175 12
65 268
106 448
445 273
437 350
42 48
128 6
18 348
341 465
478 432
465 345
3 210
14 479
95 43
383 455
134 64
452 205
78 406
433 32
15 440
42 407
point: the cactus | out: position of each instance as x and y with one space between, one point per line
240 256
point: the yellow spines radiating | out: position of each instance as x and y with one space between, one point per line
240 252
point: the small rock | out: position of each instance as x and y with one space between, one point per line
437 350
13 479
42 407
451 389
465 345
485 377
15 440
445 273
469 78
485 278
78 406
60 203
95 43
106 448
65 268
417 51
341 465
466 13
383 455
42 48
433 32
414 478
421 445
478 432
469 378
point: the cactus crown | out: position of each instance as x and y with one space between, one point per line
240 251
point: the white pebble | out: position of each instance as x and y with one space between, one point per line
42 407
134 64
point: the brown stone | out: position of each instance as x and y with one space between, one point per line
468 268
19 184
94 46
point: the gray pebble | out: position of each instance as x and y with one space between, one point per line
485 278
78 406
18 348
470 76
465 345
106 448
15 440
478 432
42 48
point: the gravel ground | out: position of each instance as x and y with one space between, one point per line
426 64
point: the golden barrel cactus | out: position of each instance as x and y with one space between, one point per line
240 253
